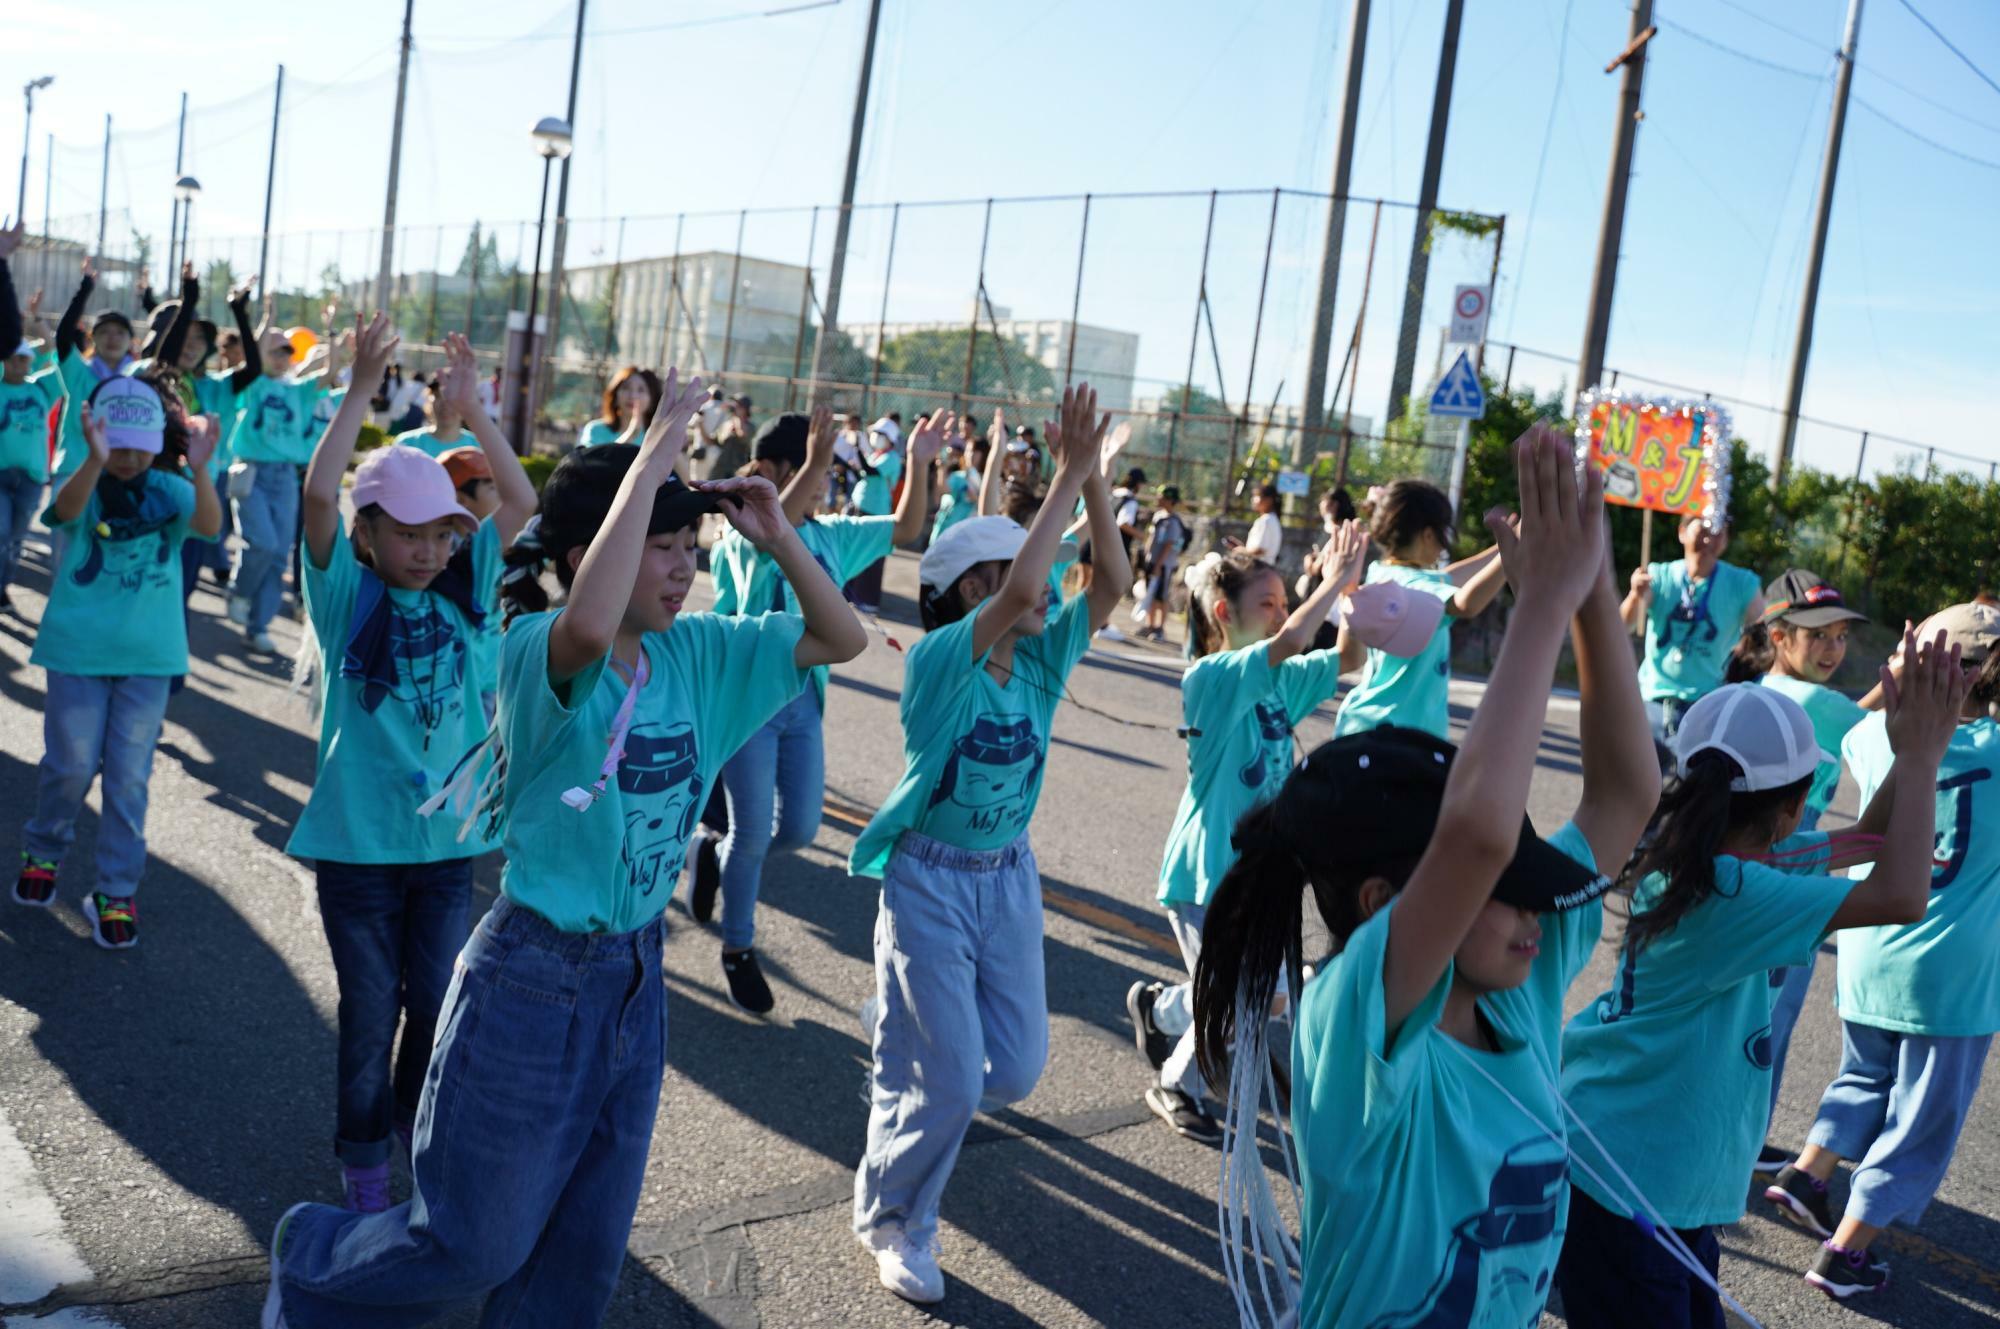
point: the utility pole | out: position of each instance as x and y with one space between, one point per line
837 266
1822 212
1590 367
1427 197
1336 224
562 218
104 188
28 136
270 182
48 186
395 165
174 227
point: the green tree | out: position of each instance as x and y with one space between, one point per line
482 253
935 358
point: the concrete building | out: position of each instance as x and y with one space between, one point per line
1105 358
697 328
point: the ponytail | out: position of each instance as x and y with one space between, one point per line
1250 934
1211 579
1698 812
1752 657
521 589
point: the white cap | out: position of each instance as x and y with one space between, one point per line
968 544
1766 733
888 428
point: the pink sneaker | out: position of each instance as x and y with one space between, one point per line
367 1188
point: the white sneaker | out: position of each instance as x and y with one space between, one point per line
274 1310
907 1269
1109 633
261 641
239 610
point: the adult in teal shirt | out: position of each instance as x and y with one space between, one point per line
1432 1149
1412 523
1919 1002
776 782
1691 1002
274 438
27 395
1254 680
1690 613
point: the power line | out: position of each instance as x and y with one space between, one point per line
1745 10
1966 59
1541 162
677 25
1925 139
1909 91
1736 51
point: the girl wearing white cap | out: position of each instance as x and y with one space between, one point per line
1724 894
960 1015
113 637
1254 678
1919 1003
617 711
397 605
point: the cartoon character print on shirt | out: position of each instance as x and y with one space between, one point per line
1954 819
133 551
1272 761
990 772
660 767
35 411
430 661
273 406
1507 1249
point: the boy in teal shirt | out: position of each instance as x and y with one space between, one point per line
273 441
1690 613
26 398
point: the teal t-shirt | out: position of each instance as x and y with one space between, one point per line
596 432
24 423
1939 976
747 580
382 754
875 495
1428 1198
115 605
612 867
274 421
1238 713
973 751
215 395
1687 1023
427 442
955 506
1832 715
1412 690
1691 627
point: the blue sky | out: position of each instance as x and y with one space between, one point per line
1057 96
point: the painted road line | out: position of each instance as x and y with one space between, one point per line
35 1256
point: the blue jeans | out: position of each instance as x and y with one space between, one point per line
963 1020
1664 713
530 1148
394 930
267 520
92 725
784 763
20 496
1896 1109
1613 1276
1173 1009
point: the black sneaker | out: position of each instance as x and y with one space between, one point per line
1188 1117
1842 1273
1153 1045
748 992
705 867
1771 1160
1802 1199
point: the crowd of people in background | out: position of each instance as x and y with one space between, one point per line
500 670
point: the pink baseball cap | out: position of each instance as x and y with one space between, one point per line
1389 617
409 486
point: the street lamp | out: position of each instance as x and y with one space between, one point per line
551 138
185 190
27 137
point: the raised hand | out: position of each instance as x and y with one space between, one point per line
1078 436
187 271
1925 701
239 294
820 433
996 433
928 441
374 347
460 376
1555 554
757 514
90 270
678 404
95 436
1114 443
203 431
1642 581
11 238
1340 559
34 313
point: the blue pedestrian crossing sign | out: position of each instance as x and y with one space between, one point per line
1459 394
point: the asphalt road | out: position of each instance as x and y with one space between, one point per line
160 1108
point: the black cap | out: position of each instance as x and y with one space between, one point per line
111 316
1134 478
578 495
1807 599
1378 792
1171 494
781 438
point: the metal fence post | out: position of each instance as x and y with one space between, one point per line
882 316
1076 296
1194 344
805 302
437 261
472 287
735 276
1492 285
979 286
611 297
1507 381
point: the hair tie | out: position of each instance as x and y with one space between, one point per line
1203 573
529 556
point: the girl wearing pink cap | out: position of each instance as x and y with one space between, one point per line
397 603
113 637
1255 676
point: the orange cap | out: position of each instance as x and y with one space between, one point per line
465 465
